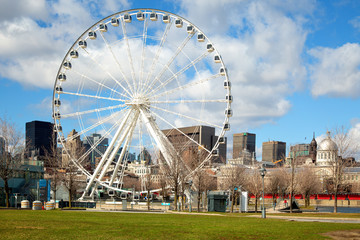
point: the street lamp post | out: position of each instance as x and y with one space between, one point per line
190 184
262 173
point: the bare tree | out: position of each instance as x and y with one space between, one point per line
163 179
307 183
176 170
347 147
70 177
275 183
233 176
148 186
200 177
11 149
254 184
52 163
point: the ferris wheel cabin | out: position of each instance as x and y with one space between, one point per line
201 37
82 44
127 17
178 23
115 22
58 89
229 98
166 18
153 16
190 29
62 77
103 27
67 65
209 47
57 102
140 16
92 35
74 54
217 59
228 112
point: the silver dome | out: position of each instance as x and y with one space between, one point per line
327 144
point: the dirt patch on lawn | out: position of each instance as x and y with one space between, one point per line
346 234
31 227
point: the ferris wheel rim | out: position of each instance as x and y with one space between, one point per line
93 27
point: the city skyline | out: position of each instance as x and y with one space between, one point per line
295 71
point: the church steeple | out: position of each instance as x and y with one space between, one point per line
313 149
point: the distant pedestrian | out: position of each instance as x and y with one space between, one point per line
285 202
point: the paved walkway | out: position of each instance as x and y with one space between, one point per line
312 219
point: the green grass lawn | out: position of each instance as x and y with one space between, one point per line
28 224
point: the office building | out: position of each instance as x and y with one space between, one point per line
273 151
203 135
40 136
242 141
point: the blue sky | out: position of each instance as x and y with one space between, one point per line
294 65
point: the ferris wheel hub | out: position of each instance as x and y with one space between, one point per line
138 101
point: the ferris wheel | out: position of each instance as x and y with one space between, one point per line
132 78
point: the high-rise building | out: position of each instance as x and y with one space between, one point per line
299 150
242 141
203 135
101 146
273 151
40 137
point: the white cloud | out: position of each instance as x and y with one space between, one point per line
355 22
261 47
11 10
337 71
35 36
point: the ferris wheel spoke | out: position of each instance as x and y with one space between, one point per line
187 117
163 84
140 138
121 158
174 128
143 51
190 101
178 50
101 84
118 64
93 147
108 151
158 52
129 54
93 96
92 111
191 84
106 72
84 131
115 148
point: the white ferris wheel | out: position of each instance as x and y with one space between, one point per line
129 77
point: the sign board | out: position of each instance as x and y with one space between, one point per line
165 204
42 183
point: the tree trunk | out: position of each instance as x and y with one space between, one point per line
7 192
232 201
175 198
335 201
199 199
307 200
70 198
148 200
256 198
